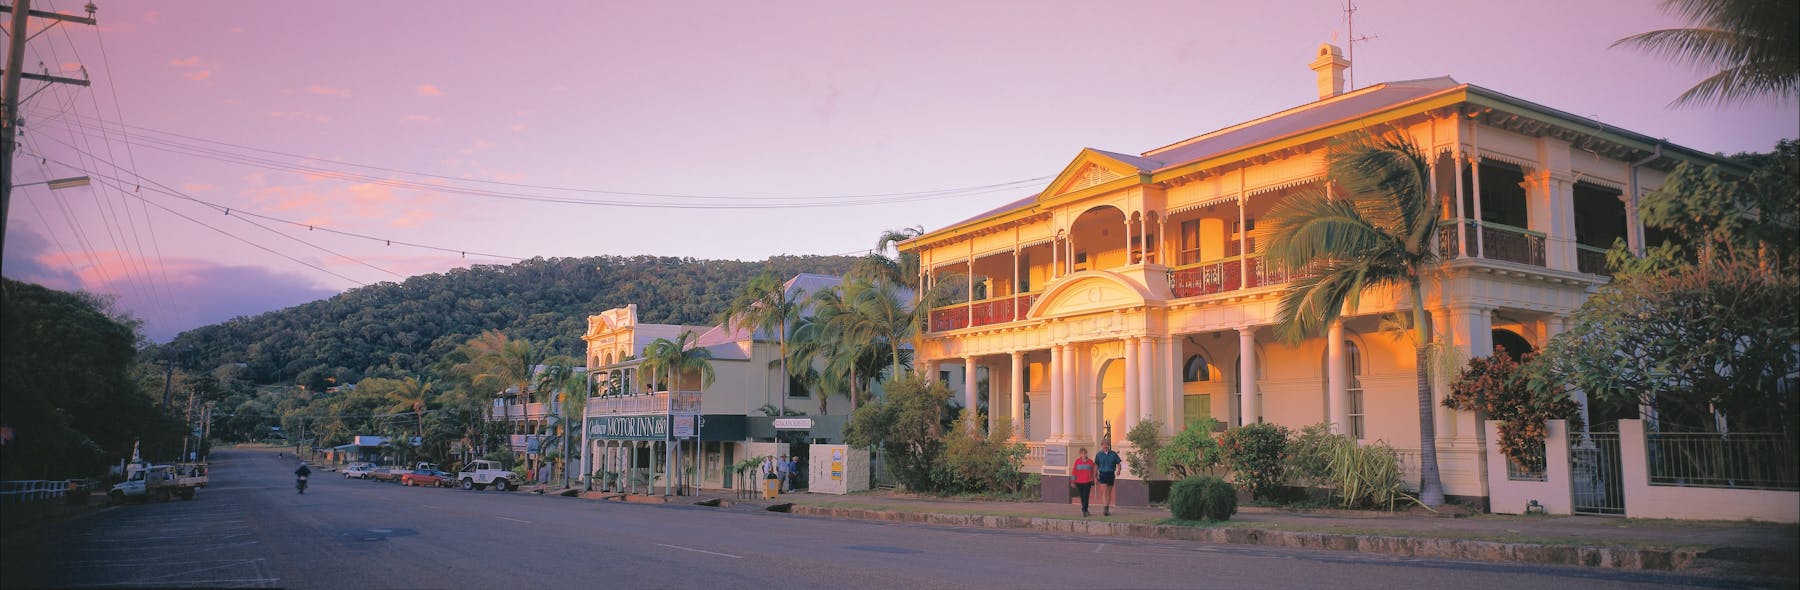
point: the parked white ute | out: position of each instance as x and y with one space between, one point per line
478 475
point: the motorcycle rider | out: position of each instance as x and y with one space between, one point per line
300 477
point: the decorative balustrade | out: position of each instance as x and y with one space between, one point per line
1207 278
1592 260
518 411
981 313
644 403
1034 455
1498 242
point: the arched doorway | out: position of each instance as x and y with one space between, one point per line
1512 343
1112 402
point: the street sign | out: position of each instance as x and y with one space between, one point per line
793 423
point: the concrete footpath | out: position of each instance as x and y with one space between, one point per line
1738 548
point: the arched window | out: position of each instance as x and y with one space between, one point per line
1196 369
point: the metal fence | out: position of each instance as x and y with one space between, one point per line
1597 484
1758 461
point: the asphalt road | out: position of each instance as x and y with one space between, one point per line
250 529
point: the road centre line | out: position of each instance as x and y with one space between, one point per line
700 551
513 519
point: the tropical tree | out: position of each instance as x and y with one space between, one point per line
412 394
497 362
765 305
1754 45
902 269
1377 233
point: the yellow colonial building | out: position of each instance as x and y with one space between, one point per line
1131 288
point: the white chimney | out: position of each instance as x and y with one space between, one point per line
1330 65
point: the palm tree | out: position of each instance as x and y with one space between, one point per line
561 379
676 358
497 361
1379 235
765 305
1754 44
901 270
412 393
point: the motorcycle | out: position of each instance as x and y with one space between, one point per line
300 482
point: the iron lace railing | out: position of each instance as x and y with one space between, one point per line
1748 460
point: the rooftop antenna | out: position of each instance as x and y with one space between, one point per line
1350 41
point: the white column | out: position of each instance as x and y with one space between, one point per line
1172 408
1016 404
969 387
1057 391
1071 391
1250 408
1132 384
1146 381
1337 376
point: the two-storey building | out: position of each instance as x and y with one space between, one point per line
1131 288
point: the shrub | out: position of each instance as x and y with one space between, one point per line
975 463
1146 440
1310 453
1496 388
1256 455
1366 475
1203 498
1192 452
907 425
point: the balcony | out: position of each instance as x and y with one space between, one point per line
644 403
1498 242
530 411
1592 260
981 313
1209 278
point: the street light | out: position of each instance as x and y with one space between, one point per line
61 183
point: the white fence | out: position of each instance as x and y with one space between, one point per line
19 491
1643 496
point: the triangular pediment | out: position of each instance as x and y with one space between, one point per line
1094 167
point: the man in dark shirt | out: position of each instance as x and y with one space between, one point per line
1107 462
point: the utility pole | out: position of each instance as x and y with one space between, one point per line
14 73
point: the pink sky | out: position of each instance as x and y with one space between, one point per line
739 102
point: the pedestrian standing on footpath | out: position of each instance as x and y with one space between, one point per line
1107 463
781 467
543 473
1084 478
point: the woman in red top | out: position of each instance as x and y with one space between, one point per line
1084 478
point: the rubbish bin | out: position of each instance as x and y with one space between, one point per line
770 487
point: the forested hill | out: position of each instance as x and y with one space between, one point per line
393 328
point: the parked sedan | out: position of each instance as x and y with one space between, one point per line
427 477
358 470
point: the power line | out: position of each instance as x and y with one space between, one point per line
159 187
569 188
736 202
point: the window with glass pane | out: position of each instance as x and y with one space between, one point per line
1190 242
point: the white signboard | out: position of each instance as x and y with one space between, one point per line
684 426
793 423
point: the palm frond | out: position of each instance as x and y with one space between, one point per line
1307 226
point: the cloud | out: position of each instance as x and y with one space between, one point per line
324 202
480 145
302 115
198 75
422 119
411 219
429 90
234 29
152 17
193 187
328 91
185 62
197 293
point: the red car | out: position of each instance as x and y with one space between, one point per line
427 477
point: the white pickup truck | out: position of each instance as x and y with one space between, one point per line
160 482
478 475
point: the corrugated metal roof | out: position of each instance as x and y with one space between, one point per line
1300 120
